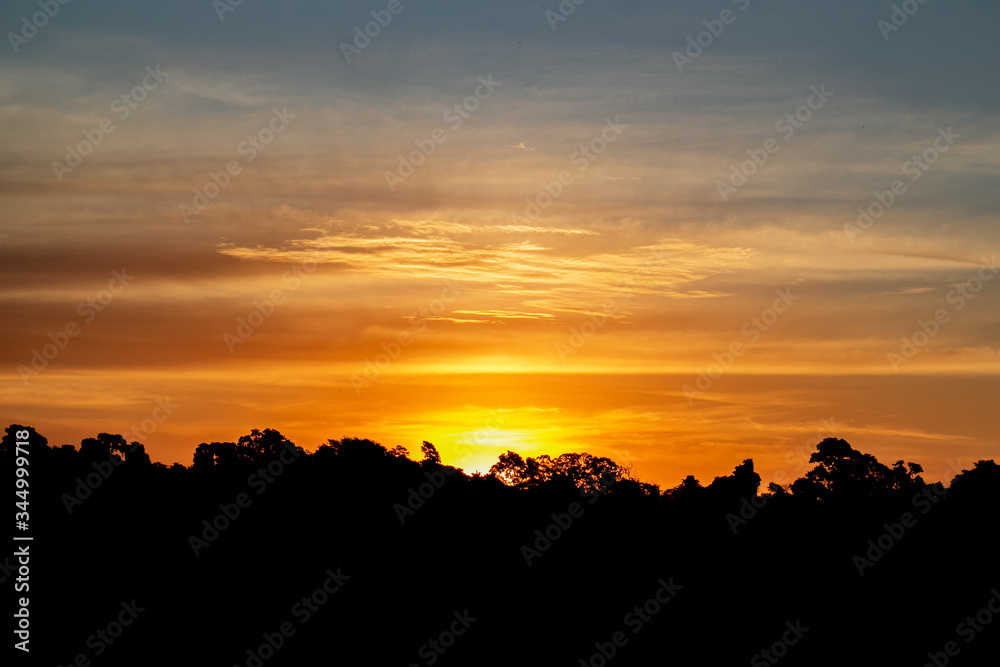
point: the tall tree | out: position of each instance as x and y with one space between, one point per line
843 472
430 453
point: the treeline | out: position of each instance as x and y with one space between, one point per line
260 553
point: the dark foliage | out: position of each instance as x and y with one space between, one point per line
551 556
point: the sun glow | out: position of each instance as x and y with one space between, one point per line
474 437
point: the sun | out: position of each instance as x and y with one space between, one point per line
473 437
477 451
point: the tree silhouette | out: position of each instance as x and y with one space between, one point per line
980 482
743 483
222 454
262 445
400 452
906 477
689 489
102 447
416 531
8 444
430 453
357 451
136 455
509 469
844 472
584 471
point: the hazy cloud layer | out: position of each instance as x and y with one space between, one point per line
592 181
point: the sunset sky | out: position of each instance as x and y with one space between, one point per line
552 231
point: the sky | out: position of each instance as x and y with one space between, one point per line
675 234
